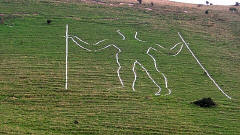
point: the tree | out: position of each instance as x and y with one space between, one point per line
207 2
237 4
140 1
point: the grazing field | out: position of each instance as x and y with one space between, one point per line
33 98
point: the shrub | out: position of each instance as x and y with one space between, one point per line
140 1
49 21
205 102
233 9
236 4
206 12
151 3
75 122
207 2
211 4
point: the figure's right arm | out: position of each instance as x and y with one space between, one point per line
83 44
99 45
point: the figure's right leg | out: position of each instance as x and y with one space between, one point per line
155 75
125 72
148 74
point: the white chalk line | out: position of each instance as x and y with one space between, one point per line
79 44
136 62
170 49
175 46
179 51
123 37
160 46
66 82
203 67
166 84
155 64
135 78
138 38
81 40
88 43
118 71
117 59
100 41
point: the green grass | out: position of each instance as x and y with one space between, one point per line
32 71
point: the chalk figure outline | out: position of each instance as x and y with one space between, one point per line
137 61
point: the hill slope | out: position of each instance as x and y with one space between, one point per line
32 69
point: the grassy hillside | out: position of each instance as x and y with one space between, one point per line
32 69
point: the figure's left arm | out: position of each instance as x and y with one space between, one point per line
174 50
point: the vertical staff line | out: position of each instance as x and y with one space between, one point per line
203 67
66 84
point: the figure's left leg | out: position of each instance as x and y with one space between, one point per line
150 67
147 72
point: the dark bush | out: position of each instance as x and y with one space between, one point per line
140 1
236 4
151 3
49 21
207 2
211 4
205 102
75 122
206 12
233 9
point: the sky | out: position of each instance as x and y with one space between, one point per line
214 2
